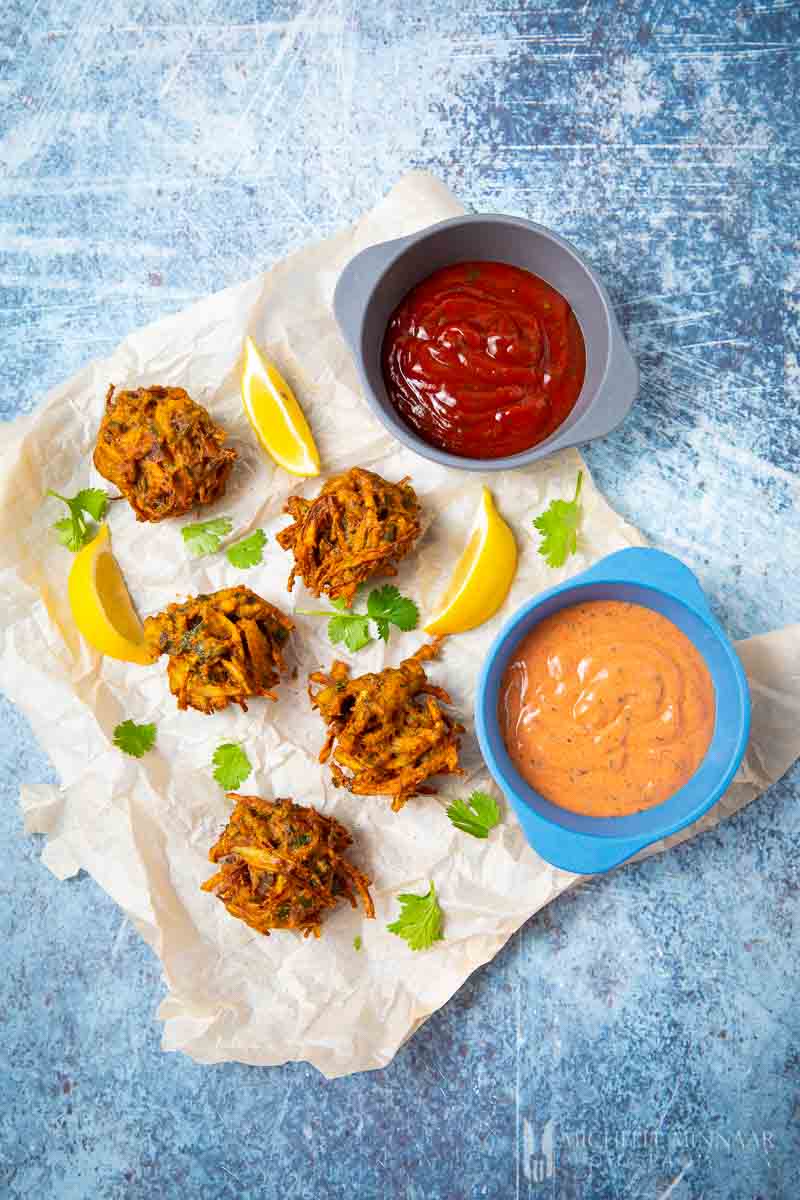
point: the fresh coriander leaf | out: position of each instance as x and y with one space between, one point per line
248 552
357 942
232 766
204 537
382 625
386 605
134 739
94 501
69 533
75 531
343 625
558 526
420 920
350 628
477 814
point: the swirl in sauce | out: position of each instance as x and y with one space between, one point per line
606 708
483 359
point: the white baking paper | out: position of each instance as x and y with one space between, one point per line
142 828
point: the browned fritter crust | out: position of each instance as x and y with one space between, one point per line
358 526
282 866
223 648
387 729
162 450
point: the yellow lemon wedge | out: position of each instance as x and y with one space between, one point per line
277 419
482 576
101 606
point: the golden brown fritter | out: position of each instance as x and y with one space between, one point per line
282 866
162 451
223 648
387 729
358 526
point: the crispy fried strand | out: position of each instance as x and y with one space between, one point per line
162 450
358 526
281 866
386 730
223 648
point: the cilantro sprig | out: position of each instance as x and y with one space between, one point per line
350 628
420 920
205 537
558 525
248 552
134 739
74 531
476 815
385 607
232 766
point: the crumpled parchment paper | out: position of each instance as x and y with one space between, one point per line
142 828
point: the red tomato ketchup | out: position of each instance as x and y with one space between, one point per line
483 359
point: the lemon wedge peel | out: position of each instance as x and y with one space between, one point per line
482 577
101 605
277 419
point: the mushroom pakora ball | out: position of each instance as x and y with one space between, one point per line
281 866
358 526
162 450
386 729
224 648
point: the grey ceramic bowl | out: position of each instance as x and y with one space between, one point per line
373 283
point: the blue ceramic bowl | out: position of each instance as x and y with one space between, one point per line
590 845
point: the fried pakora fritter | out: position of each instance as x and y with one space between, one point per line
387 730
162 450
358 526
223 648
281 866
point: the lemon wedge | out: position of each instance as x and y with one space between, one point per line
482 577
277 419
101 606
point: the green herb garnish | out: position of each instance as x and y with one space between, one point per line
205 537
248 552
385 607
134 739
558 526
476 815
232 766
350 628
420 920
75 531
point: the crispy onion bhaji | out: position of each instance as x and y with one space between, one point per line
387 730
281 866
223 648
162 450
358 526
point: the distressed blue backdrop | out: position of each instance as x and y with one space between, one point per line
645 1026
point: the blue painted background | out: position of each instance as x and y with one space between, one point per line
646 1026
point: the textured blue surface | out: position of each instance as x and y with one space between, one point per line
150 152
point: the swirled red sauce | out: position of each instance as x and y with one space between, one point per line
483 359
606 708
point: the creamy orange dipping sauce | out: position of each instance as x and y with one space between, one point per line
606 708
